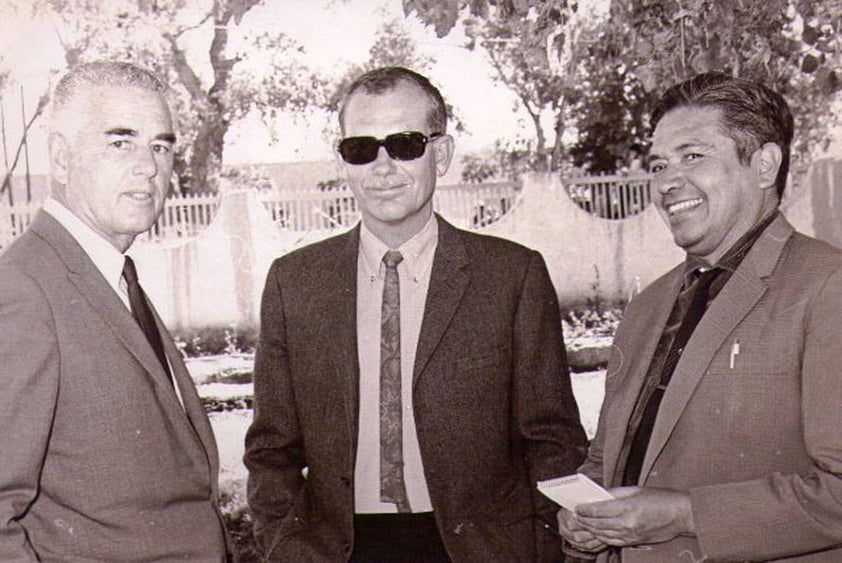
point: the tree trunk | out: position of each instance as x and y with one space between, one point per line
541 164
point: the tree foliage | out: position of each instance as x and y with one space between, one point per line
542 93
393 46
211 91
643 46
793 46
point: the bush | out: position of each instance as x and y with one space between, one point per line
211 341
590 322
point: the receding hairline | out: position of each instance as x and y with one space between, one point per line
430 103
83 82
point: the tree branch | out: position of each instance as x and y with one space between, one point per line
42 104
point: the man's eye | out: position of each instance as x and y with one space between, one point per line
122 144
162 149
655 168
692 156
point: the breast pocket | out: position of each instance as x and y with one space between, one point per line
480 361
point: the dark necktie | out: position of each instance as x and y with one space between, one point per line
695 299
392 486
143 314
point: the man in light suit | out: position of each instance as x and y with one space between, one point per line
106 453
476 349
722 409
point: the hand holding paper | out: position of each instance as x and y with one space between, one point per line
572 490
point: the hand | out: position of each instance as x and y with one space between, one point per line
575 534
638 516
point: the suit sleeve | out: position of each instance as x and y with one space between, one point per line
274 452
545 410
29 382
790 514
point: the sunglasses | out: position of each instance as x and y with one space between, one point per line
400 146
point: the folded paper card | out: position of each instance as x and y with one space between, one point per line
572 490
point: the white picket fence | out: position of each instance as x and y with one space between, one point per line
610 196
469 206
184 216
14 220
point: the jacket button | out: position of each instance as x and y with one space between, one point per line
346 481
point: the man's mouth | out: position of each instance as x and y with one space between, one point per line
140 197
676 208
385 187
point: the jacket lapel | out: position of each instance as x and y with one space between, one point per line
633 368
193 407
90 283
734 302
448 280
337 311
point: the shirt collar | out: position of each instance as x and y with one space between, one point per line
734 256
372 249
102 253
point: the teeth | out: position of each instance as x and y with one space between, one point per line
682 205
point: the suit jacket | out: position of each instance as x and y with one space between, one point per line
492 398
98 460
750 423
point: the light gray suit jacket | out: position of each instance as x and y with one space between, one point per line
98 460
758 445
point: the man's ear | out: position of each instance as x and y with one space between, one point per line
443 153
767 161
59 151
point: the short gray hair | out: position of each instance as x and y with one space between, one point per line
88 76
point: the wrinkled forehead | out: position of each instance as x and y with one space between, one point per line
686 125
106 107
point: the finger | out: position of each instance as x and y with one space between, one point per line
591 545
581 537
624 492
602 509
599 526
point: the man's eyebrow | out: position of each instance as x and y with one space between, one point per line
683 147
122 132
128 132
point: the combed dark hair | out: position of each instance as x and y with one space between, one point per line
98 74
752 114
386 79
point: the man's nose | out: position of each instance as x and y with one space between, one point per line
145 163
383 164
669 179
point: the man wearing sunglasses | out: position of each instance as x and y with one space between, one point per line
410 382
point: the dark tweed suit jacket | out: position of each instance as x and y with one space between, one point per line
759 444
492 398
98 460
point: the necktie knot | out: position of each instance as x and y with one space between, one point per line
392 258
703 279
129 271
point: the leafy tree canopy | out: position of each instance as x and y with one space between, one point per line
212 89
643 46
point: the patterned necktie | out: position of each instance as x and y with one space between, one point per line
143 314
693 300
392 486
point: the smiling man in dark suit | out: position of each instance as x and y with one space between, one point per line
722 407
106 453
410 382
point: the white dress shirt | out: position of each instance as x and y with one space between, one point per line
414 274
107 259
